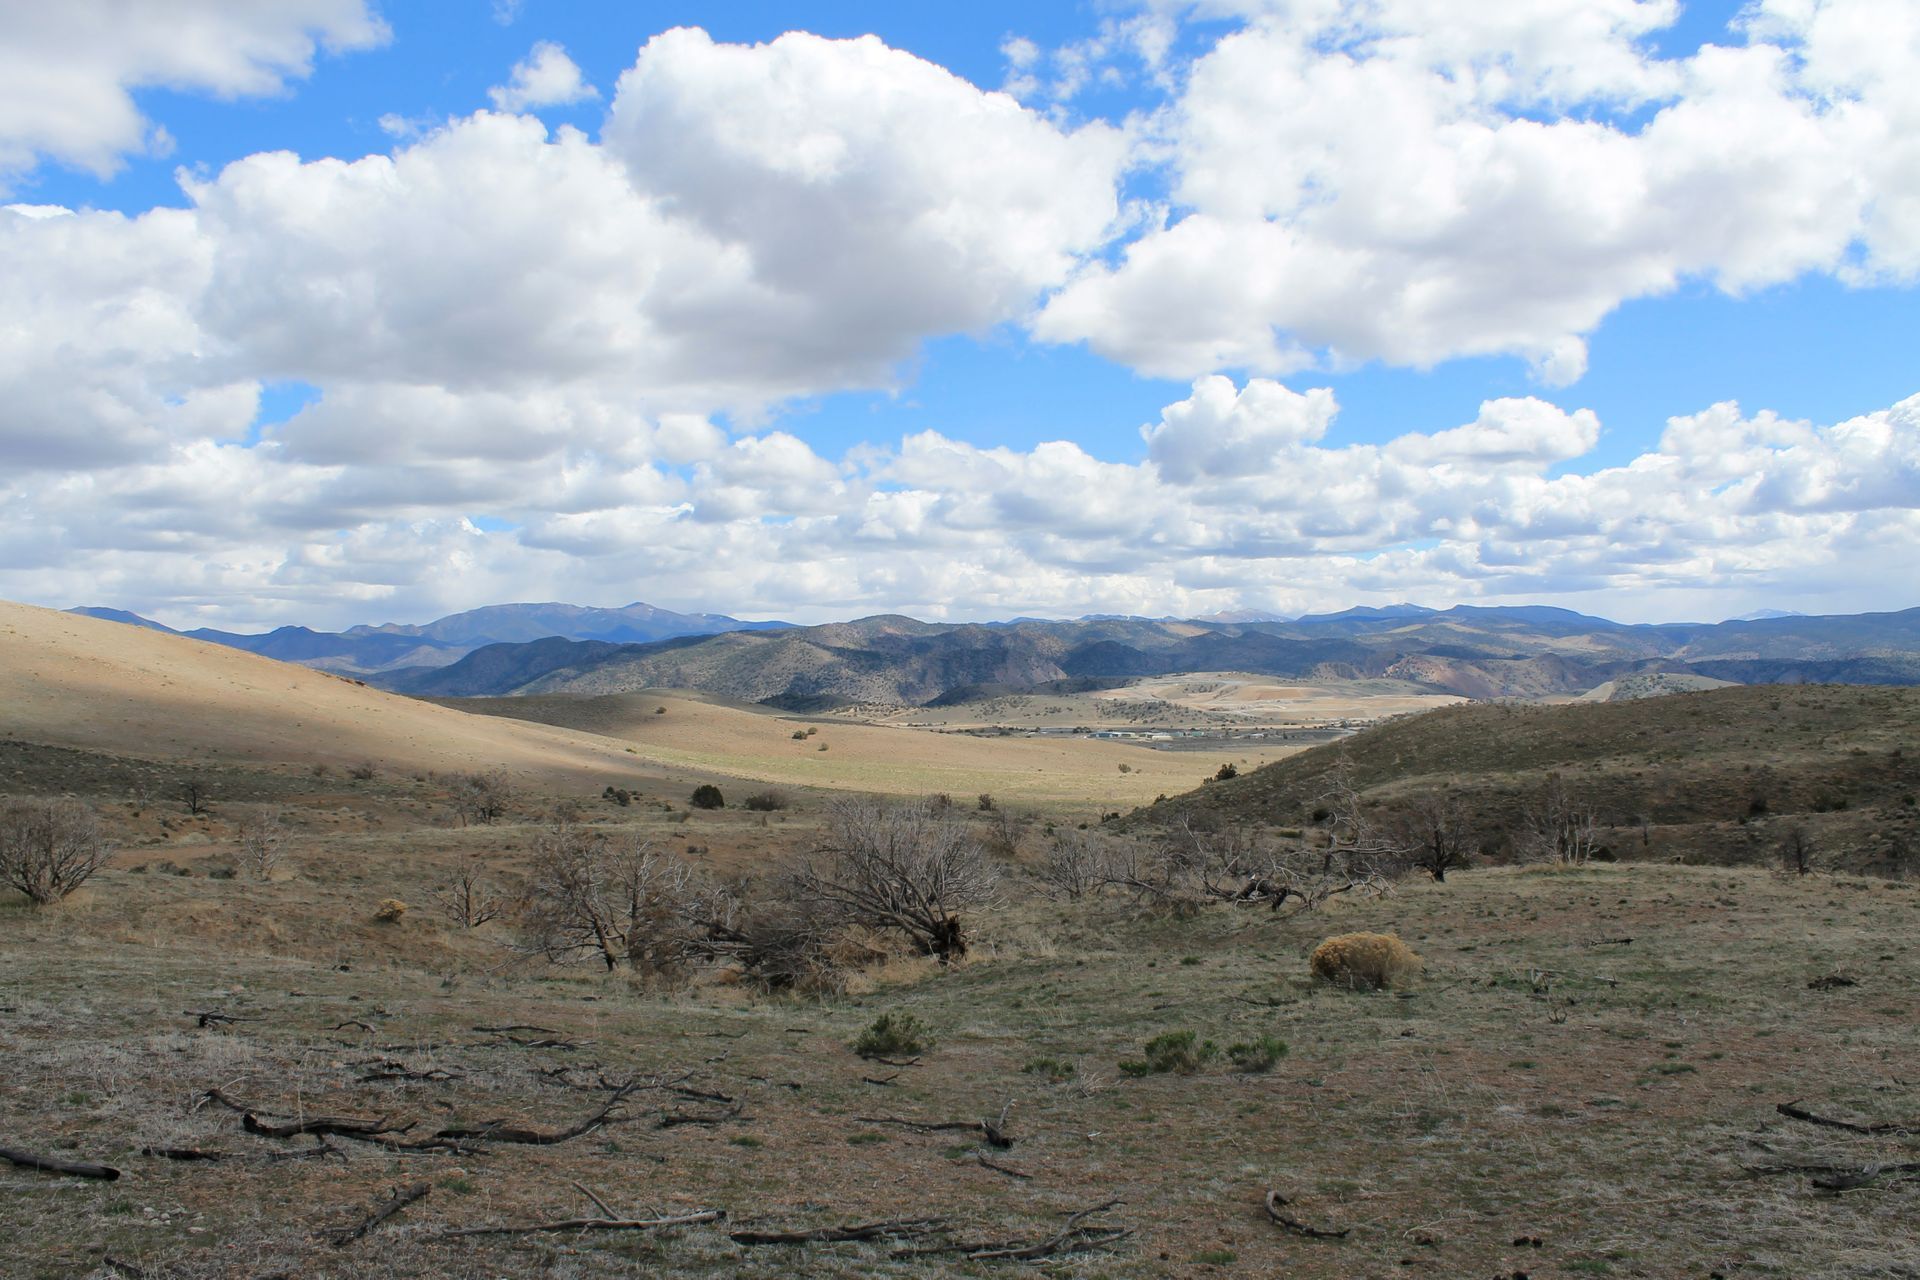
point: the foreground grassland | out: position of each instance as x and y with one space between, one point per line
1592 1060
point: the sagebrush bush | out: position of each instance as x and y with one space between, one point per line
1177 1052
707 796
1257 1056
391 911
894 1035
1372 960
765 801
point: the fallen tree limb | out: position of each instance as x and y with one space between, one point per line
185 1153
985 1163
1275 1211
987 1129
1794 1111
674 1119
889 1229
338 1126
594 1224
1077 1236
214 1017
520 1026
1839 1177
54 1164
400 1199
501 1131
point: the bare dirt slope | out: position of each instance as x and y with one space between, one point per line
100 686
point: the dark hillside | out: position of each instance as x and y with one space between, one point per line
1730 769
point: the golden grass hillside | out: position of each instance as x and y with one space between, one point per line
102 686
701 733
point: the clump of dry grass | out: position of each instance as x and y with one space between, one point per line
1373 960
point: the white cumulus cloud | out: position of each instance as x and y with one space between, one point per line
546 77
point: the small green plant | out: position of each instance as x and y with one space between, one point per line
1172 1052
894 1035
1053 1069
1257 1056
707 796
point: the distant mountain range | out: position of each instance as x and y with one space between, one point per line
1529 651
369 651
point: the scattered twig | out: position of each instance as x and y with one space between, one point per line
367 1027
885 1081
519 1026
1275 1211
400 1199
896 1062
121 1268
185 1153
214 1017
53 1164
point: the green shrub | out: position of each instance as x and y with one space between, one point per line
707 796
765 801
1172 1052
1258 1055
894 1035
1053 1069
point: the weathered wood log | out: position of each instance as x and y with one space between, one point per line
987 1129
1794 1111
54 1164
400 1199
890 1229
500 1131
594 1224
338 1126
185 1153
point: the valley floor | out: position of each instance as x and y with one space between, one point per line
1585 1082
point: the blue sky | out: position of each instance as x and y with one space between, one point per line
1512 252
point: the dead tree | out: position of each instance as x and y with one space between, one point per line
611 899
49 848
481 798
1434 834
1558 827
910 867
468 897
262 838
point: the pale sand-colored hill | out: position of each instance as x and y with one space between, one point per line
104 686
703 734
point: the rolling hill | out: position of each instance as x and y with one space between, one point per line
1719 774
100 686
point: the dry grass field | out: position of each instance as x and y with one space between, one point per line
704 735
1548 1098
1587 1077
